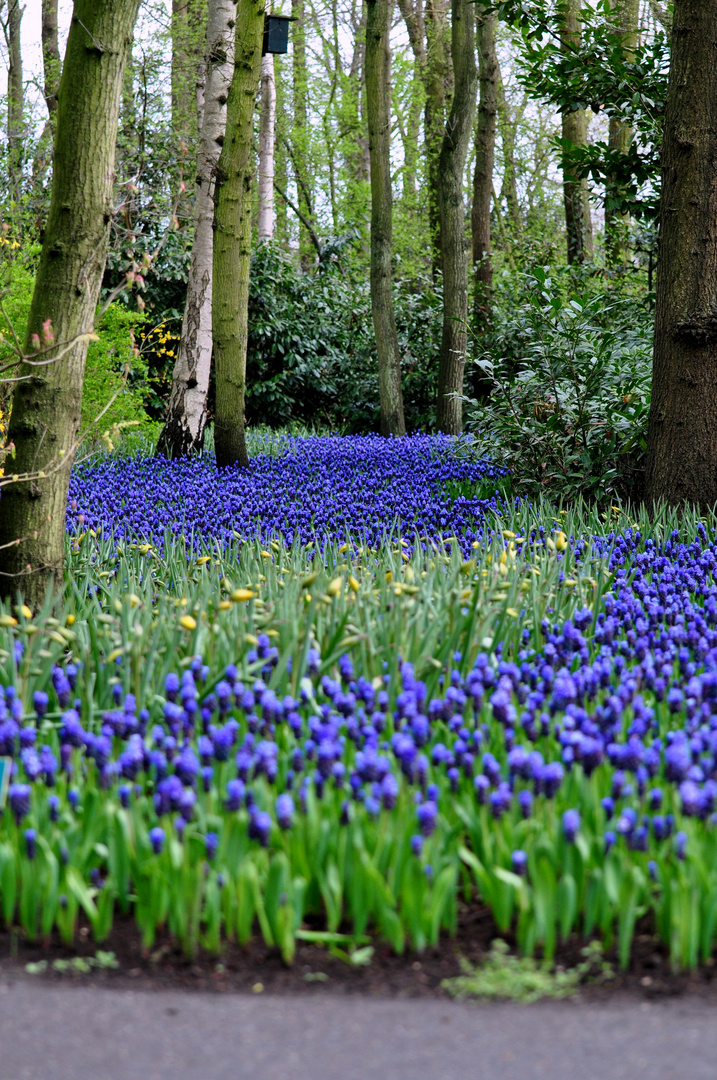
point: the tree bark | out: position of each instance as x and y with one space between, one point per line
509 188
50 54
436 67
682 437
300 133
15 97
267 123
578 223
47 402
625 18
183 431
484 161
451 168
232 239
378 107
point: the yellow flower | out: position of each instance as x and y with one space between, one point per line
353 584
334 587
188 622
224 605
240 595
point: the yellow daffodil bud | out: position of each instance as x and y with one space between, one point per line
353 584
188 622
334 588
240 595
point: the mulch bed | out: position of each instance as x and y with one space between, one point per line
315 971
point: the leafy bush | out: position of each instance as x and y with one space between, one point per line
106 358
568 406
311 352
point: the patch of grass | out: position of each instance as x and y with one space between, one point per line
516 978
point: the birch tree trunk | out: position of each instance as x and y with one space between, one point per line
47 402
451 167
682 435
578 223
232 240
265 223
484 161
183 429
509 187
378 107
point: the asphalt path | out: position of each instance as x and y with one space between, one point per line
54 1032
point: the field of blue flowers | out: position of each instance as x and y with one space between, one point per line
335 696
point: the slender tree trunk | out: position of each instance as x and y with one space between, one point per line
52 65
682 437
188 31
183 430
434 118
412 12
300 133
47 403
484 160
378 105
578 223
451 168
625 17
265 224
232 240
509 187
281 228
15 97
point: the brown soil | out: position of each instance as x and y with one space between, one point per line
315 971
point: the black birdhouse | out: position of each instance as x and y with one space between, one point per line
276 34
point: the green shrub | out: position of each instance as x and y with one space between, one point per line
106 358
569 398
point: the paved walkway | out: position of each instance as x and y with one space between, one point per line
50 1032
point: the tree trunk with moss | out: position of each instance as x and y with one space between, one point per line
484 161
232 238
15 99
183 429
452 163
378 107
682 434
47 401
578 223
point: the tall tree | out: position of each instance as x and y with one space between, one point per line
300 132
267 123
50 54
46 404
378 107
232 238
625 15
436 69
507 124
578 223
187 37
489 75
451 168
682 436
183 430
15 96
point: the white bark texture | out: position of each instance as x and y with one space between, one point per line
186 417
265 225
